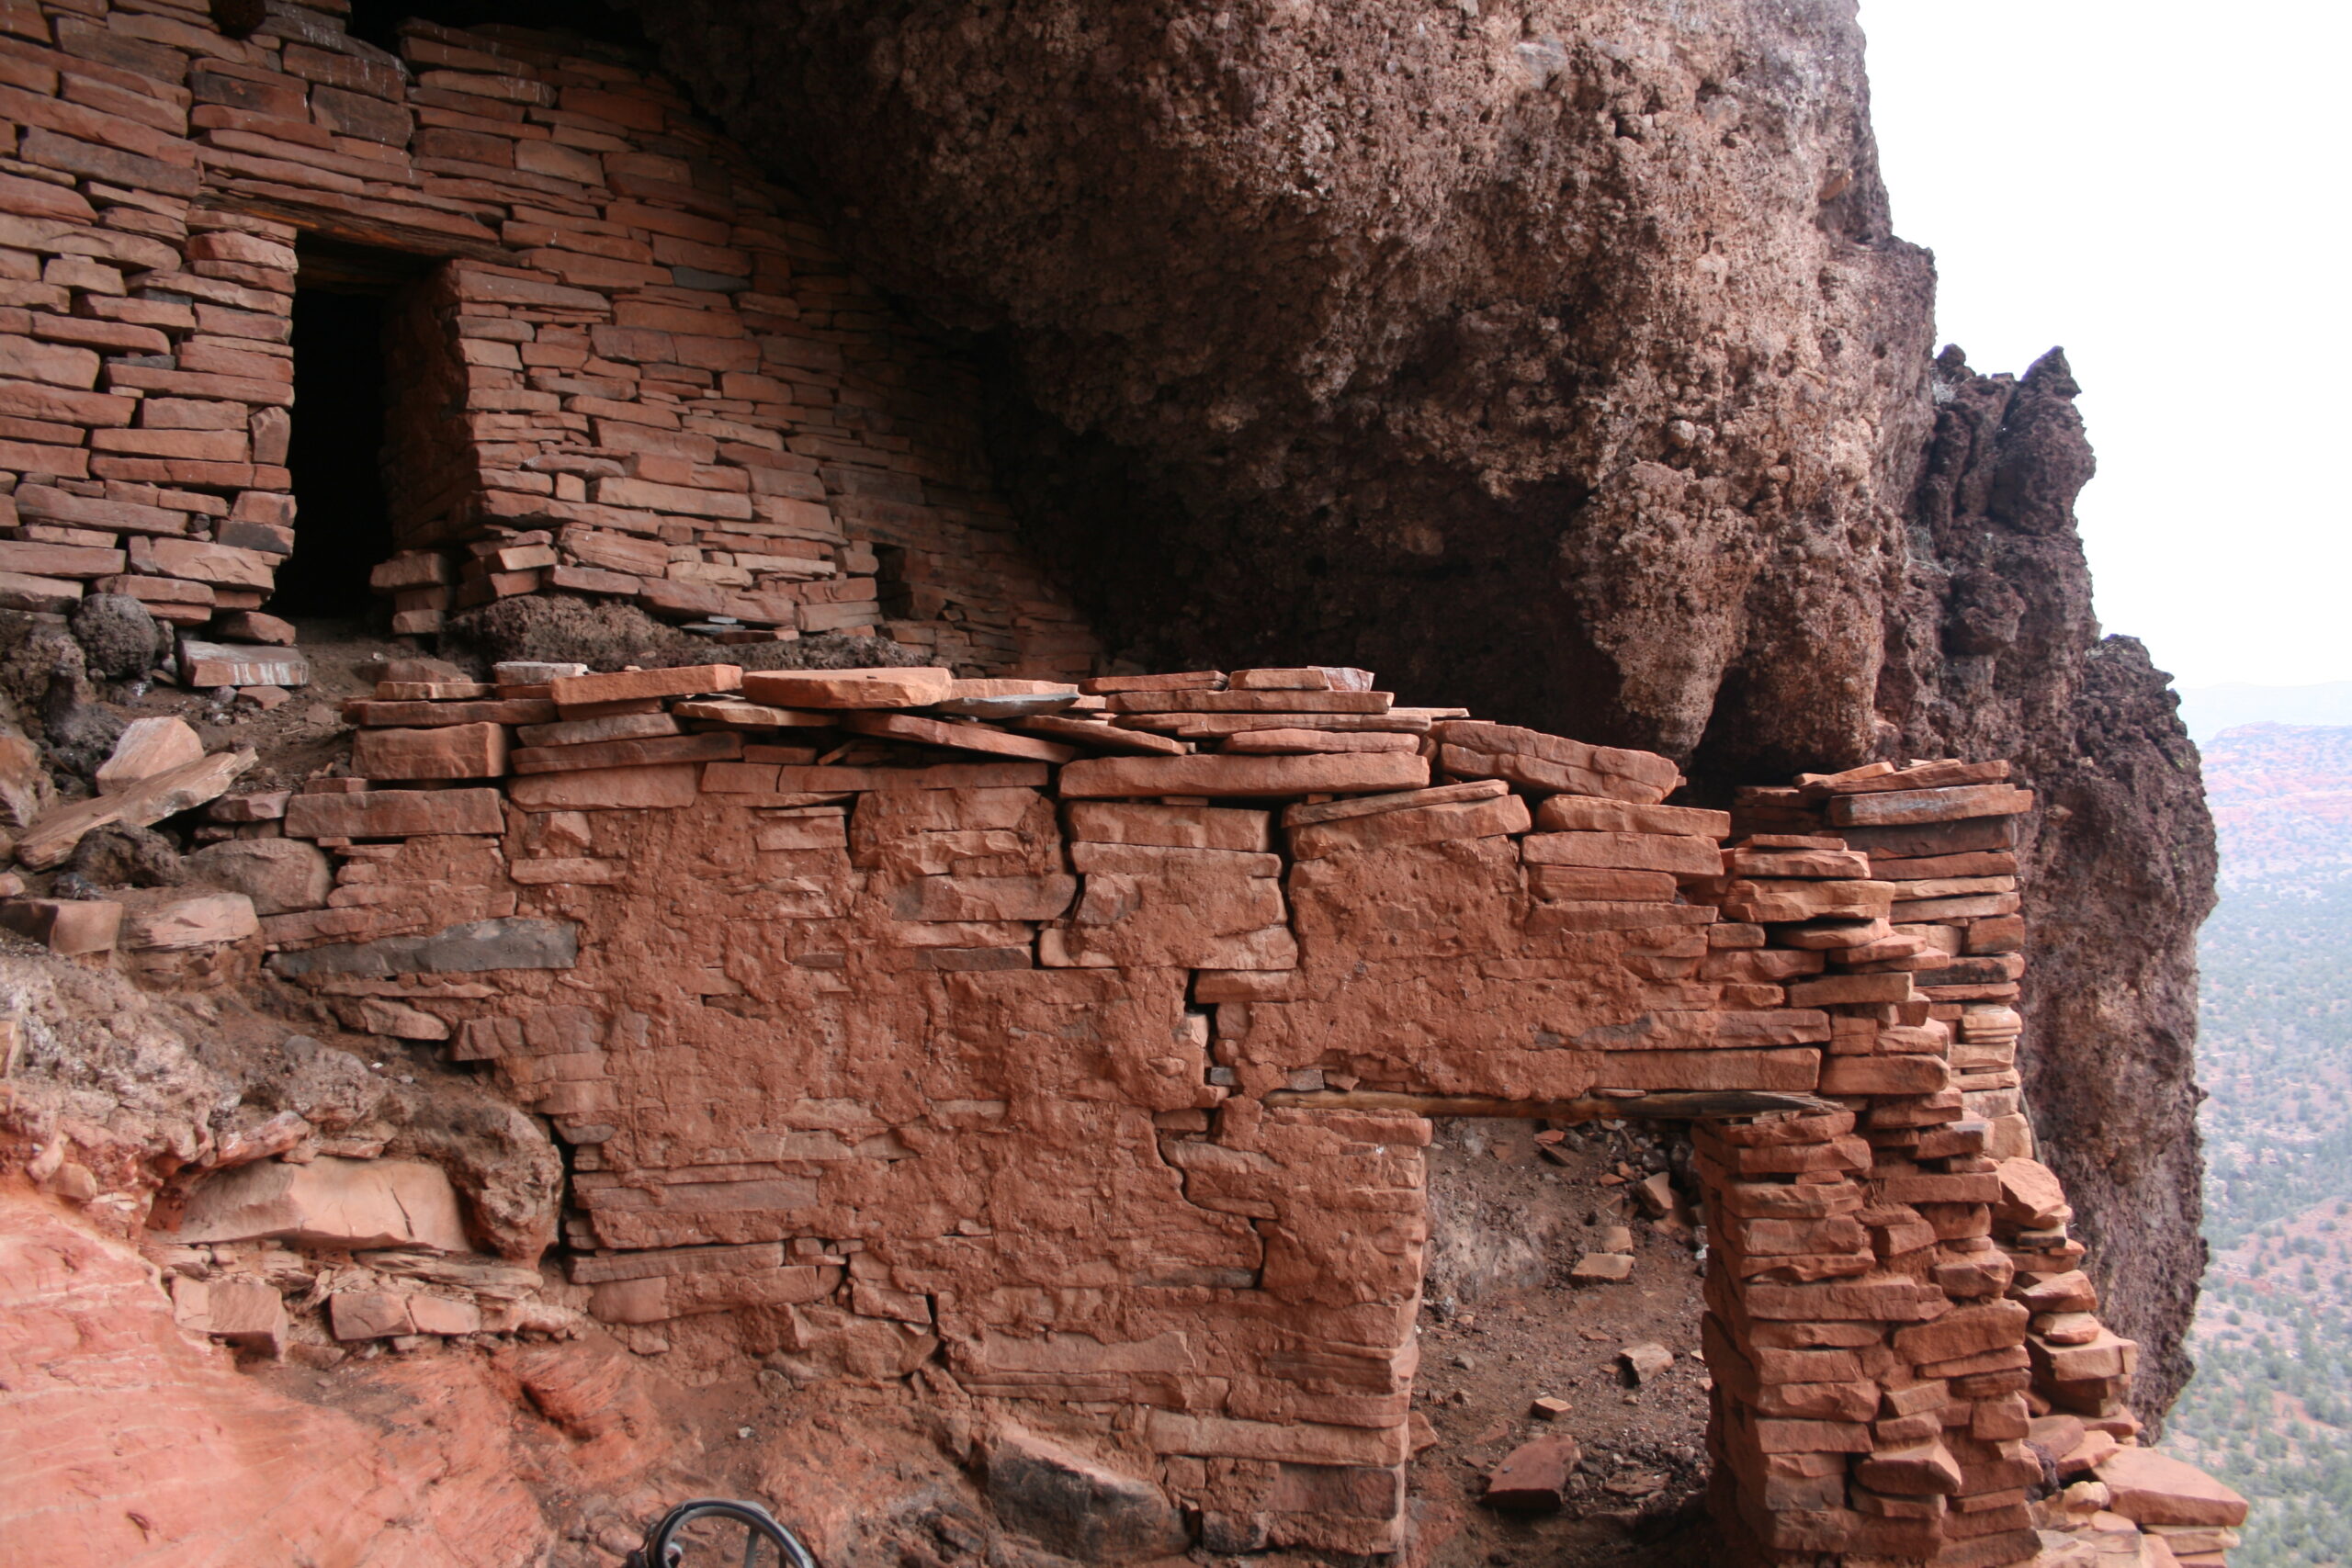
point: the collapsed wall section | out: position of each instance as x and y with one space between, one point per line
1091 1072
626 366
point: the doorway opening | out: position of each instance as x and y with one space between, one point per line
336 455
1561 1304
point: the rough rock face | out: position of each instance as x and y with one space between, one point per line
1553 358
1994 651
109 1400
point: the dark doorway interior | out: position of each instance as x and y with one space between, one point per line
341 524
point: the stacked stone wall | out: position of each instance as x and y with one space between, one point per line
1084 1059
626 366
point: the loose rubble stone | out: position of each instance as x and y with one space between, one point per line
148 747
328 1203
248 1314
117 635
50 839
1533 1478
118 855
25 788
1646 1362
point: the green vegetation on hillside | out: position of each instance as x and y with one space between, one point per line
2270 1408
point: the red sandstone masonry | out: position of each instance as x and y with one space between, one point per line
1895 1309
670 392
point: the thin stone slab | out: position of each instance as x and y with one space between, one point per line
1007 699
719 746
1278 702
836 689
1105 736
1214 726
1374 805
738 714
957 737
1908 807
1283 742
587 731
53 837
1112 778
205 665
629 686
395 813
663 787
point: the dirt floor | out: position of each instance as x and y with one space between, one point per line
1503 1324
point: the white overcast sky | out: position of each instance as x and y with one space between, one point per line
2160 188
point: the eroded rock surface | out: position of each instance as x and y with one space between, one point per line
108 1402
1994 651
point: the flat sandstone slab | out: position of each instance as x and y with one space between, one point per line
207 665
833 689
1105 736
2150 1488
1301 742
1172 827
1682 856
449 751
1490 818
662 787
686 680
395 814
1225 776
328 1203
1252 702
723 746
53 834
962 737
1903 808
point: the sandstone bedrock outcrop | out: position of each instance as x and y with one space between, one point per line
1556 358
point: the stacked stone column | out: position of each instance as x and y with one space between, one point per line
1886 1280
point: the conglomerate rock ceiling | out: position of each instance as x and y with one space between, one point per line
1558 357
